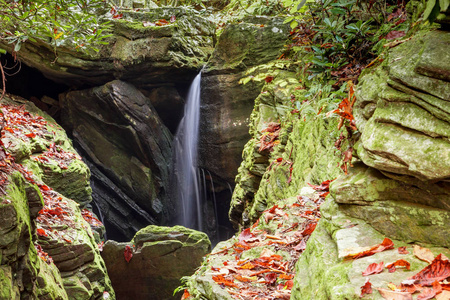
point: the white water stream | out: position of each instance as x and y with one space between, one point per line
185 160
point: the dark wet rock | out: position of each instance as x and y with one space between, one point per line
117 128
226 104
160 257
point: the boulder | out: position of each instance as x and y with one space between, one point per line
137 53
160 257
226 104
403 110
121 135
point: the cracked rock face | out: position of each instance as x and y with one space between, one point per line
160 257
403 110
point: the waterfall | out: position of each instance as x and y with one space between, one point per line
185 160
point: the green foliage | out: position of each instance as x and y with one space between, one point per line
434 8
74 23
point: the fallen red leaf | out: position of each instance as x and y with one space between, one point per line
219 279
269 79
373 269
402 250
31 135
186 295
286 276
398 263
128 253
242 279
438 270
309 229
246 235
394 34
387 244
426 294
366 288
270 278
41 232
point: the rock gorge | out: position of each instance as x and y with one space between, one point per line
121 108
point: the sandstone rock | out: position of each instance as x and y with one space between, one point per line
135 53
323 274
403 110
226 105
161 256
117 128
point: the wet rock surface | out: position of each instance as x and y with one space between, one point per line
120 133
226 104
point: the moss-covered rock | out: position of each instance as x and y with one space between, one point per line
138 52
403 110
226 104
160 257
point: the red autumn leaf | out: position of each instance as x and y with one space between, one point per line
301 246
426 294
387 244
373 269
186 295
309 229
128 253
398 263
394 34
41 232
438 270
286 276
241 278
289 284
31 135
219 279
44 187
445 286
269 79
402 250
366 288
270 278
246 235
324 186
437 287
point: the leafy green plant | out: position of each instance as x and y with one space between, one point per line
73 23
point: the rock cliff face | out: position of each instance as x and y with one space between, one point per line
226 104
130 153
47 248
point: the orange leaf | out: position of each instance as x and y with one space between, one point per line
219 279
242 279
247 266
286 276
423 254
41 232
186 295
366 288
398 263
30 135
373 269
309 229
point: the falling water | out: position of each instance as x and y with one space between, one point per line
185 160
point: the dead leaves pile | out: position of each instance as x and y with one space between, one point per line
56 216
261 262
430 283
269 137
